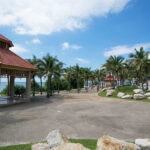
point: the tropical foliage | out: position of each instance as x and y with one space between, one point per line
58 77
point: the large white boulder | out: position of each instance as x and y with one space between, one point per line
138 96
127 97
120 94
110 143
143 143
40 146
56 138
147 94
110 92
138 91
70 146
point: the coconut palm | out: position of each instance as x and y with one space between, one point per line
100 76
48 66
68 75
114 65
86 74
40 74
58 73
139 61
77 72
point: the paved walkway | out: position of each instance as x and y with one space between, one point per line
77 115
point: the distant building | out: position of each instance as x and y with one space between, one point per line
110 81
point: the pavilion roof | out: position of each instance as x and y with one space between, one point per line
110 78
11 60
4 39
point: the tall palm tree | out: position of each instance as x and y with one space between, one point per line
92 78
139 59
100 76
86 74
68 75
34 61
114 65
40 74
59 72
77 72
48 66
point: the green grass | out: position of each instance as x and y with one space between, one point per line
89 143
124 89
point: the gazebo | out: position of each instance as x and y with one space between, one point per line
12 66
110 81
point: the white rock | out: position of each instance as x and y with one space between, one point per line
143 143
40 146
148 98
110 143
56 138
138 96
70 146
138 91
127 97
147 94
110 92
120 94
103 89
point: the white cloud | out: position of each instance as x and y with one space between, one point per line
81 60
36 41
47 16
66 46
18 49
124 49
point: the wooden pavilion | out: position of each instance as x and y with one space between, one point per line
110 81
12 66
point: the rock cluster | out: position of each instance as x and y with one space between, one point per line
57 141
120 94
110 92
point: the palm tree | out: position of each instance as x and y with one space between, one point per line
100 76
77 72
92 77
139 60
40 74
34 61
59 72
86 74
114 65
48 66
68 75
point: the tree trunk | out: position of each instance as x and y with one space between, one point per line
58 85
51 90
69 84
146 85
86 86
41 85
33 86
48 87
78 85
98 86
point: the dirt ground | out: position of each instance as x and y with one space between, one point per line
77 115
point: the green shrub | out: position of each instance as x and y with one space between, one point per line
18 90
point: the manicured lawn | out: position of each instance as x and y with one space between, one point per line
124 89
91 144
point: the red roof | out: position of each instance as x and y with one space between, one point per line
110 78
10 59
4 39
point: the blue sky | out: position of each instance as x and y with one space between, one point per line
76 31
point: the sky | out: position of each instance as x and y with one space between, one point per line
76 31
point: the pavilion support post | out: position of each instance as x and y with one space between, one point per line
12 79
8 81
28 86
